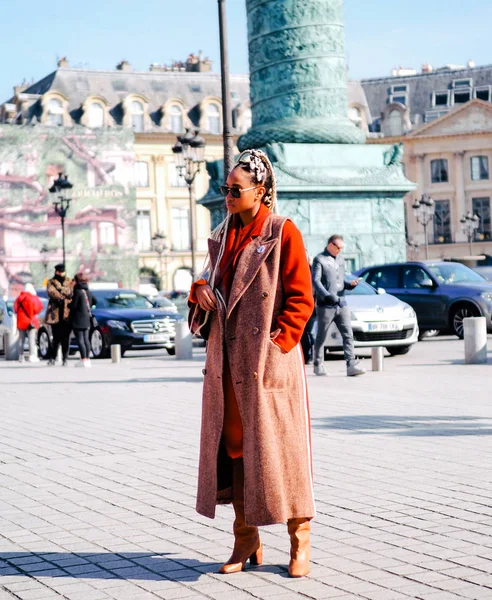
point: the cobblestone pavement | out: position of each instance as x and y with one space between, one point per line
98 474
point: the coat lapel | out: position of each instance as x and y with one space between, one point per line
250 261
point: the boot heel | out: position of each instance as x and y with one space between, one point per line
257 557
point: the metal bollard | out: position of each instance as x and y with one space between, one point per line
378 358
11 345
475 336
115 353
183 341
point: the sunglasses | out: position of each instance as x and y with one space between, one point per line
337 246
235 192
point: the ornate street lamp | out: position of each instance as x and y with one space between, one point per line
44 250
469 225
62 187
423 211
159 245
189 154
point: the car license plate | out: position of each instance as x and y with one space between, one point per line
383 326
152 338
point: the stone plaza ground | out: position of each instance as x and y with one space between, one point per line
98 474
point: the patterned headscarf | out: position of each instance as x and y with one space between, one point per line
258 164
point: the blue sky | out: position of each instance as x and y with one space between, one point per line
97 34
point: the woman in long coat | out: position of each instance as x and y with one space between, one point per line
255 446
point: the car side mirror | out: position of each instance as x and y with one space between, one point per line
427 283
381 291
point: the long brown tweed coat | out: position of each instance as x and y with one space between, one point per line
270 390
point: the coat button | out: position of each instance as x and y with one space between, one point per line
204 371
265 295
255 375
255 331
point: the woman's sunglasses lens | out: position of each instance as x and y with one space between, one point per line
224 190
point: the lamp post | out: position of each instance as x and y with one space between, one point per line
469 225
44 258
189 153
226 95
61 186
159 245
424 210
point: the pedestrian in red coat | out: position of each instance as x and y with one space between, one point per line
27 307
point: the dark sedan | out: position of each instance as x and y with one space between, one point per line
441 293
127 318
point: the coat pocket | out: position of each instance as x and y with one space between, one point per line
275 372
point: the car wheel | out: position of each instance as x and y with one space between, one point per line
98 346
398 350
428 333
44 344
462 312
171 351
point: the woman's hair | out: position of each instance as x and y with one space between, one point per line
257 163
80 278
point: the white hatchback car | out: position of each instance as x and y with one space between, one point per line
378 319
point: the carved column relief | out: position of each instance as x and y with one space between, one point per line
298 73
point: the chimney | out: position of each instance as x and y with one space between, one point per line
427 68
63 63
124 65
18 89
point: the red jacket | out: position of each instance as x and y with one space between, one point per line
27 307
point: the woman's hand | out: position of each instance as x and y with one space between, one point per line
206 297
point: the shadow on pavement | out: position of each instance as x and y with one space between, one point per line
409 426
99 381
124 565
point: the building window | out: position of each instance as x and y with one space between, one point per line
460 83
55 112
137 114
141 174
144 236
175 119
395 123
399 98
442 222
180 223
483 93
213 119
460 96
479 168
107 235
395 89
175 177
481 208
440 99
96 115
439 170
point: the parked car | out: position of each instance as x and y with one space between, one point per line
484 272
442 293
123 317
378 319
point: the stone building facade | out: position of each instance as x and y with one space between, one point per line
157 106
443 118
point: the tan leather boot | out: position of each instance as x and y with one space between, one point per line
300 547
247 543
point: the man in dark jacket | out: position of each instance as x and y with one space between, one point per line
329 285
60 291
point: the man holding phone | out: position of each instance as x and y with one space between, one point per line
329 285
